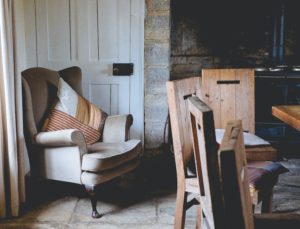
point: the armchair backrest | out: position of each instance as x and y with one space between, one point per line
39 93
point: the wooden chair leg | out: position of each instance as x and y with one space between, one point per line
91 191
266 205
180 209
199 217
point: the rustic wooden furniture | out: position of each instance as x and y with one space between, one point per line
230 94
231 177
289 114
205 151
204 141
178 92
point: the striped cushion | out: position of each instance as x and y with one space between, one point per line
73 111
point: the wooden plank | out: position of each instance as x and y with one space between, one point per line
205 149
235 182
229 98
245 98
261 153
211 93
251 101
230 93
289 114
178 92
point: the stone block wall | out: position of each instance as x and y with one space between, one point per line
157 72
216 34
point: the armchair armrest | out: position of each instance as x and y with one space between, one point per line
60 138
274 220
116 128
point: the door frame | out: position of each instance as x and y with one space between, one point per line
137 85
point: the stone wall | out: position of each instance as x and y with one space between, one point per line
157 72
216 34
182 37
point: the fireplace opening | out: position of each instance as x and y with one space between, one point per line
212 34
263 35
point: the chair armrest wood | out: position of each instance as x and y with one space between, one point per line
116 128
60 138
276 221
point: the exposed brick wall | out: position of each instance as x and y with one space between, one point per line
157 72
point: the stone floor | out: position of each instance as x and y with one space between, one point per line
146 202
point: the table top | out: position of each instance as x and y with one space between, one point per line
289 114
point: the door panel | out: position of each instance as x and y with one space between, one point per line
94 34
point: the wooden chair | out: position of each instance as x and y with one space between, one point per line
187 183
232 176
178 91
230 94
205 150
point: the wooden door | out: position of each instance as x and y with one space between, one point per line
93 34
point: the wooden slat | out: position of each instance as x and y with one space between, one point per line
205 149
235 182
178 91
261 153
211 93
230 100
245 98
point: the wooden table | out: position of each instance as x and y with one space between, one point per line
289 114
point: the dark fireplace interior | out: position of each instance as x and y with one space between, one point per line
260 34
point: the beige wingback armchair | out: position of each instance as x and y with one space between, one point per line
64 155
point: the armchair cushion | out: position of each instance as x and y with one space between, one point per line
72 111
104 156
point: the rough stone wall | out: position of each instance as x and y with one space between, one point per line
217 34
157 72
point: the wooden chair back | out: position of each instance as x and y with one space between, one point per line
206 159
178 91
230 93
234 178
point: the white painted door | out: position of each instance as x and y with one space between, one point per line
93 34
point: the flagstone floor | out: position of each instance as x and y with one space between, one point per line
146 203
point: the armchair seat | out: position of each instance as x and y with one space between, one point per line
93 179
103 156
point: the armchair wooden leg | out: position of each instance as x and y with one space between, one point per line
180 209
91 191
